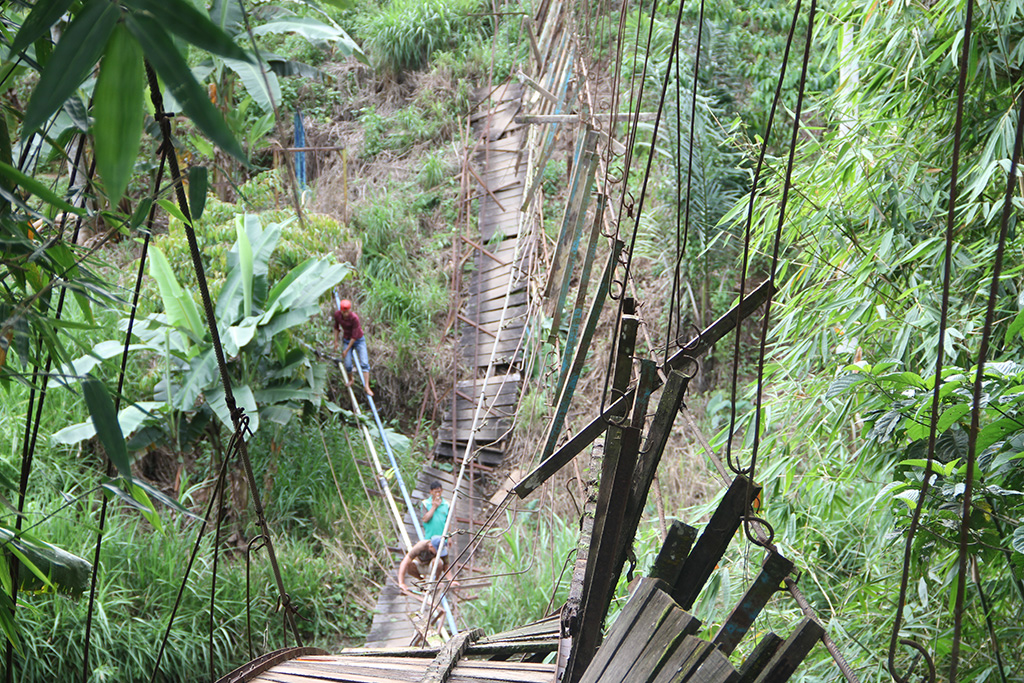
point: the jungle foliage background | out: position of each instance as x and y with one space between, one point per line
852 344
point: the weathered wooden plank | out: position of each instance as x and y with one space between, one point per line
696 347
565 234
669 634
477 305
759 658
690 653
497 289
775 569
580 355
716 668
711 545
576 317
673 552
645 592
267 661
636 640
791 653
575 213
647 463
617 471
440 669
487 413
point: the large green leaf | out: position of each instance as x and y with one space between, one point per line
71 62
118 111
263 241
101 410
243 398
202 374
183 19
180 307
129 419
37 188
244 266
314 31
260 82
47 564
172 68
44 14
227 14
306 283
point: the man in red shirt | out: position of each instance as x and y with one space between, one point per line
346 322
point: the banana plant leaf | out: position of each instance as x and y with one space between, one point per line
44 566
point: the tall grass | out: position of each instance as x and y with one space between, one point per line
527 564
405 34
325 568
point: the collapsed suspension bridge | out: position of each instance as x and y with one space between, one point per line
518 128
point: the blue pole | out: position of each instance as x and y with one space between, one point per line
300 157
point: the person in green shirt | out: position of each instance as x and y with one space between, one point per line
435 511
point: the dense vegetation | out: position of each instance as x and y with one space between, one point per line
843 430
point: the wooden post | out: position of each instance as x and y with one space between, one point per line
775 569
789 655
575 212
673 552
759 658
569 354
621 448
713 542
344 186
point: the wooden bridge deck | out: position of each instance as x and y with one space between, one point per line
491 329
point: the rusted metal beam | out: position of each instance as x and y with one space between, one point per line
695 348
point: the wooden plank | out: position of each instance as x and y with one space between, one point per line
490 290
487 293
637 638
711 545
690 653
664 641
792 652
477 305
469 411
775 569
267 661
678 541
647 463
568 389
645 592
483 434
696 347
759 658
716 668
442 665
575 213
617 472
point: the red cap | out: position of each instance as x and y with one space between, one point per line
345 305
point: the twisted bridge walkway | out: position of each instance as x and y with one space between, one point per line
479 415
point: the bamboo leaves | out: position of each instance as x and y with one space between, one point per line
118 111
72 61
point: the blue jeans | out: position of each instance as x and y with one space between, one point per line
359 351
